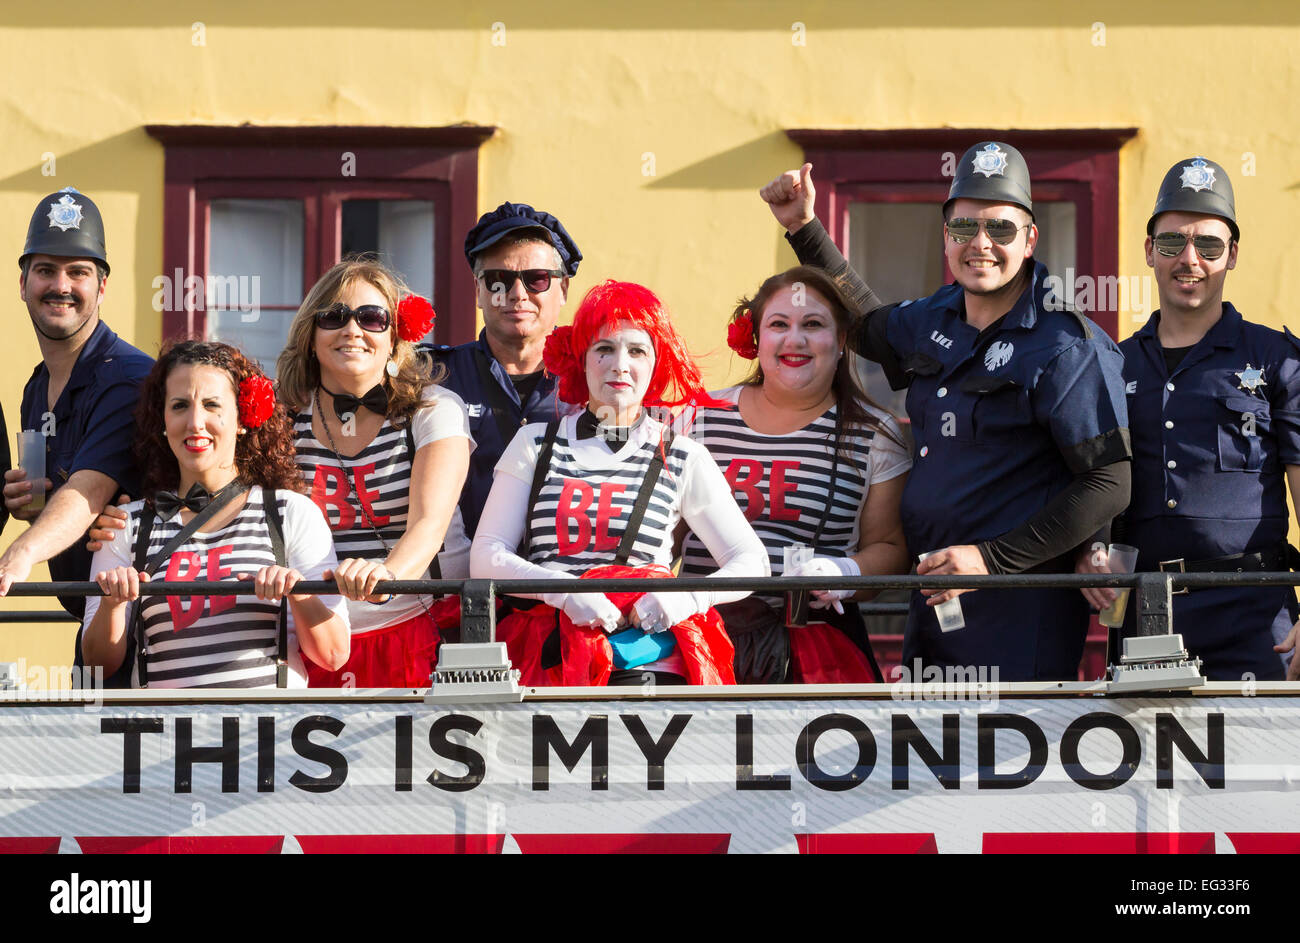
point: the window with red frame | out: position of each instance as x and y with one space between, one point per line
253 216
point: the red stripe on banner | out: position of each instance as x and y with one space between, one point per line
181 845
1099 843
401 844
29 846
1265 843
887 843
634 844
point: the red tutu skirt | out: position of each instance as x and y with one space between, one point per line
586 658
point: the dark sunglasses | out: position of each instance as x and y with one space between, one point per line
1172 243
536 280
372 318
1002 231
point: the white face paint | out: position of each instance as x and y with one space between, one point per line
620 363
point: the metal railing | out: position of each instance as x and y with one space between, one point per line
1152 591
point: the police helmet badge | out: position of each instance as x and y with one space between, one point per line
1198 176
1251 378
65 214
992 160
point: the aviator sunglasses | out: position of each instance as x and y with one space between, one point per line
1002 231
1170 244
372 318
536 280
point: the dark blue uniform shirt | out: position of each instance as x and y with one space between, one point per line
1003 420
467 366
90 427
1210 450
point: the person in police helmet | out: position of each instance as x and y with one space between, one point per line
1214 403
81 396
1017 408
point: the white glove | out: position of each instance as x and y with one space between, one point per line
593 610
659 612
828 566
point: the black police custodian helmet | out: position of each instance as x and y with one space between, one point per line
1200 186
66 224
992 171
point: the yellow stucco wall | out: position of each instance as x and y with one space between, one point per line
583 91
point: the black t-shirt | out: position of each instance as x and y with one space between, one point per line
1174 356
525 383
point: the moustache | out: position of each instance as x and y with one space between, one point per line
53 298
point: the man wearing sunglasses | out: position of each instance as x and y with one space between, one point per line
1214 403
1017 410
522 261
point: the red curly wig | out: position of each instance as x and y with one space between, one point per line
263 456
676 380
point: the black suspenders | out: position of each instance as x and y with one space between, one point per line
275 528
646 490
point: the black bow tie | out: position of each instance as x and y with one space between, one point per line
375 400
589 427
168 504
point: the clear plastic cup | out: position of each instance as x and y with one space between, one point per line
31 459
1121 558
949 613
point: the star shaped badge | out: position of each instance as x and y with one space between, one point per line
991 160
65 214
1251 378
1198 176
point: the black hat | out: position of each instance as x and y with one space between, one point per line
66 224
992 171
1197 186
508 217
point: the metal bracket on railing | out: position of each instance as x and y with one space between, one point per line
478 611
474 672
1154 658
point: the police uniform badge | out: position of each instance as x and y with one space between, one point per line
998 355
1198 176
992 160
65 214
1250 379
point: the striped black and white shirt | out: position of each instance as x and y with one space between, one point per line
782 482
373 487
582 511
222 641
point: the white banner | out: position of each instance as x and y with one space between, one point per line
1028 774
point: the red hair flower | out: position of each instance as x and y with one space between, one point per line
740 335
256 401
415 317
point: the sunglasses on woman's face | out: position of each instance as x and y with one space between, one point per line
536 280
1002 231
372 318
1170 244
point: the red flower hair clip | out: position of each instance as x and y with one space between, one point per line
415 317
256 401
740 335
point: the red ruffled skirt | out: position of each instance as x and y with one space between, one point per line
399 656
586 658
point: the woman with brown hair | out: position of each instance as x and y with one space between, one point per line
385 452
222 499
817 467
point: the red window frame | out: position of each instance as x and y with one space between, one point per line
1076 165
205 163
